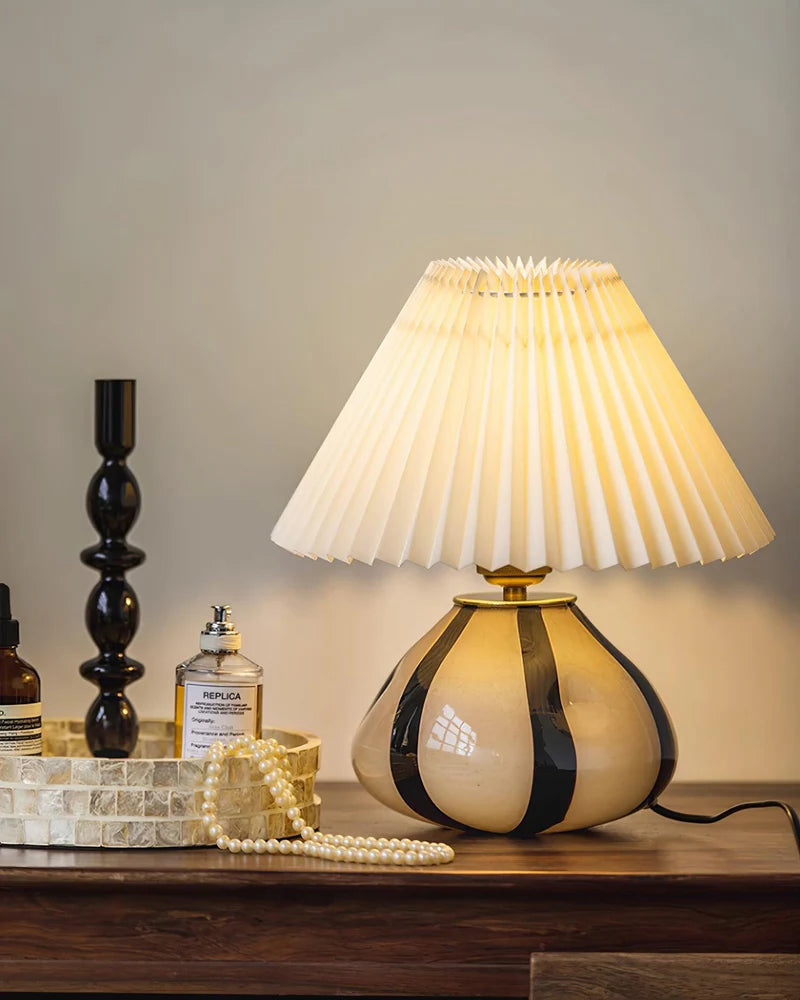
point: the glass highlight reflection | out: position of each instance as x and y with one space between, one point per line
451 734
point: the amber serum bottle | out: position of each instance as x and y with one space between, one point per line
20 691
218 691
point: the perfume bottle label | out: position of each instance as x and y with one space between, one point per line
216 712
21 730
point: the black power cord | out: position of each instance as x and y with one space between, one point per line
682 817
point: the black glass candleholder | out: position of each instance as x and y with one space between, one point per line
112 610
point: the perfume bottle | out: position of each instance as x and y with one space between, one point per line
20 691
218 692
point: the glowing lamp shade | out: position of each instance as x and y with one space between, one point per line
524 415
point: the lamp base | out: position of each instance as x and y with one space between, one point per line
515 717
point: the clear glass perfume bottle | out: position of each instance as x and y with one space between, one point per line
218 692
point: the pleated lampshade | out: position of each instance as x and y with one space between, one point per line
526 415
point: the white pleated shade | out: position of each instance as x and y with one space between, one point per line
524 415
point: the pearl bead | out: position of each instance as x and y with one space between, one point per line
269 759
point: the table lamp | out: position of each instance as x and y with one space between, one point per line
520 417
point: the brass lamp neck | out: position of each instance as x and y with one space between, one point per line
515 582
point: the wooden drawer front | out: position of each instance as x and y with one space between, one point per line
623 975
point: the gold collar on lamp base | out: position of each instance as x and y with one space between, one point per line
515 583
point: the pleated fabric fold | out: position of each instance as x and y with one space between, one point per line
522 414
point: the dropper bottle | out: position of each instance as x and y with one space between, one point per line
20 691
218 692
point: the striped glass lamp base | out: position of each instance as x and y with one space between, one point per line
518 718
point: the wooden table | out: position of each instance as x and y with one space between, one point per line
200 921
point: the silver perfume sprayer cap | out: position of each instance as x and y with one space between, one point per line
220 635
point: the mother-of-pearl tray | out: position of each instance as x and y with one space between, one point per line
67 798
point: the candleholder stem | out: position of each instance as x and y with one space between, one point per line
112 610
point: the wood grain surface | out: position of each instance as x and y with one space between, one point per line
615 976
197 920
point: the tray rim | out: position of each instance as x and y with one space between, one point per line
312 742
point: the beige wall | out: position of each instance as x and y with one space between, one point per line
230 202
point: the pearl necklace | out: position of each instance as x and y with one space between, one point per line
270 759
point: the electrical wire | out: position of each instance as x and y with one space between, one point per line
683 817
